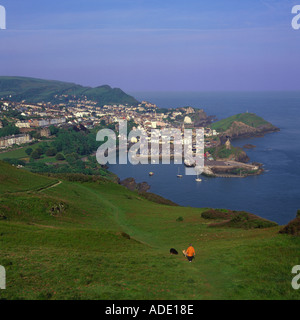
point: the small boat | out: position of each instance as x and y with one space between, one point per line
179 175
198 179
151 174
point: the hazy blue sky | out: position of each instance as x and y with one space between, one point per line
164 45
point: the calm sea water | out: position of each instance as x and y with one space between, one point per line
275 195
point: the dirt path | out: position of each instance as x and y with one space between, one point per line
53 186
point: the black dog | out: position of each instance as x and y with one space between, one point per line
173 251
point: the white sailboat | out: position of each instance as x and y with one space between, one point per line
198 179
179 175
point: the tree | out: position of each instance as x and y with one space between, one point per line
9 130
28 151
40 151
72 158
37 135
53 130
35 155
51 152
5 123
60 157
15 162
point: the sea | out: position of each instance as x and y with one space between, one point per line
274 195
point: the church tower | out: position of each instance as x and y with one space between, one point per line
228 144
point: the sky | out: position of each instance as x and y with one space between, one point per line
169 45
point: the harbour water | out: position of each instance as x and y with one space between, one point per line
274 195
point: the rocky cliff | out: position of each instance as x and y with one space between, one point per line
241 130
243 125
132 185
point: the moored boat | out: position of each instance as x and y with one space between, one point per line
198 179
179 175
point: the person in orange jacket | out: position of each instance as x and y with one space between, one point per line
190 253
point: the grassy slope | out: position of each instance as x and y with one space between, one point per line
14 180
249 119
81 253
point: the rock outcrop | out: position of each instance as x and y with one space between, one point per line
132 185
242 156
249 146
241 130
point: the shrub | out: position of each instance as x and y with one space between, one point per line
179 219
259 224
157 199
224 153
240 217
125 235
15 162
237 219
57 208
216 214
78 177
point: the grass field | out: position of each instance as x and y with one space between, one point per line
19 153
74 240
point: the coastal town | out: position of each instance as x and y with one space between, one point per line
39 117
28 123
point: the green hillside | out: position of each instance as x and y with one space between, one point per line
37 90
249 119
98 240
15 180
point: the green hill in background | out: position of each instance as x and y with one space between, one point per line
72 238
37 90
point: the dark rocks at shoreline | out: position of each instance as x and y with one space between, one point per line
242 157
132 185
249 146
201 119
143 187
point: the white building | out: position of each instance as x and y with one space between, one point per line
187 120
22 124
